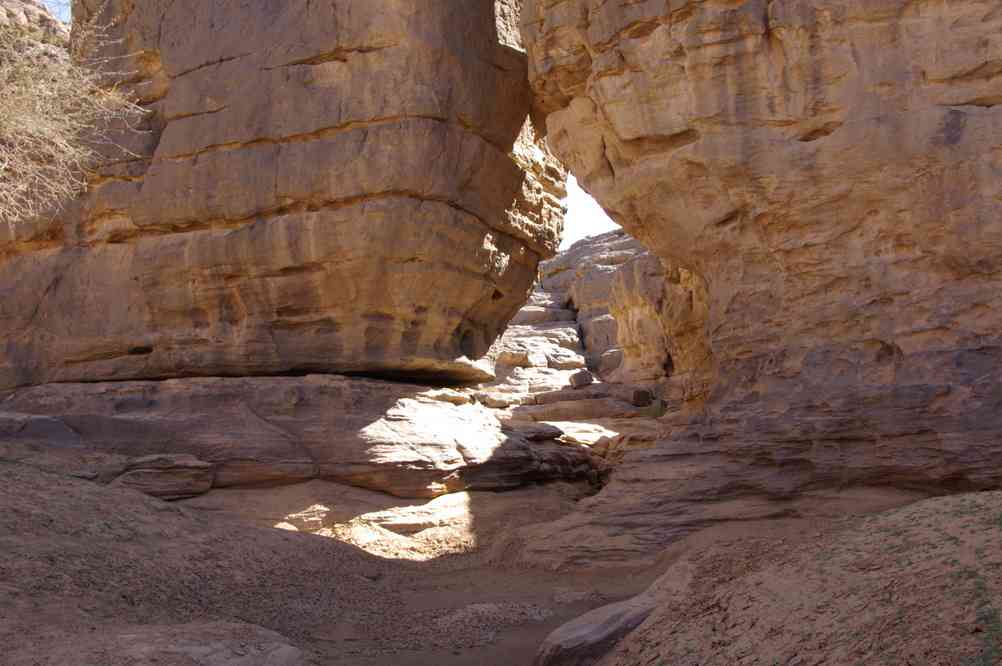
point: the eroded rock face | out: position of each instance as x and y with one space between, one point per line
660 311
318 187
829 169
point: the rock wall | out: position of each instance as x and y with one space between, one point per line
323 187
829 170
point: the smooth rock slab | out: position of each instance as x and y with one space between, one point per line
584 640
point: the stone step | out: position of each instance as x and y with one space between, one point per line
536 314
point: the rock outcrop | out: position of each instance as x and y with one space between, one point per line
556 365
332 187
915 585
181 437
660 315
828 170
583 277
641 319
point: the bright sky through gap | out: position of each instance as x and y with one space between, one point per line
61 8
584 216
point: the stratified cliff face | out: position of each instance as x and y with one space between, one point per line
341 186
829 169
585 274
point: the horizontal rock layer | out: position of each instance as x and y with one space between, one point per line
159 437
345 187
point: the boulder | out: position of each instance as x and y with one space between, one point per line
585 640
581 379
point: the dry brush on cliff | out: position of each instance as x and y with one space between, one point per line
52 101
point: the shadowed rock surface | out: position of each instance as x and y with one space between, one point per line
326 187
828 170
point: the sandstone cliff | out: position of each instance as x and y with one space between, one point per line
828 171
341 187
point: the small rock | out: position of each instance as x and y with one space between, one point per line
168 476
642 398
581 379
534 432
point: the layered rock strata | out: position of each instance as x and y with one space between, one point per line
829 171
338 187
583 277
181 437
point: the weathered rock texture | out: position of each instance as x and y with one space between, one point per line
583 277
556 363
660 316
180 437
919 585
642 319
829 169
346 186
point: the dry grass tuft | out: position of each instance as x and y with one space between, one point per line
53 103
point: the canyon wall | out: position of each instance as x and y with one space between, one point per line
336 187
829 171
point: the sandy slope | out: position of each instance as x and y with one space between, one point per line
105 576
916 585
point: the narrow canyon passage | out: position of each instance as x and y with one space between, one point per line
368 573
301 377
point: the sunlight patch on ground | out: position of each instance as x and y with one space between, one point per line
443 526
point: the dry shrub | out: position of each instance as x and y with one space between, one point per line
54 102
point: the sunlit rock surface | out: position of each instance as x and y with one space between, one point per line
318 187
